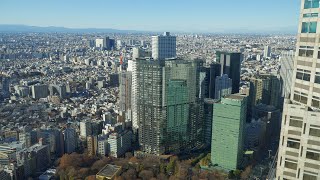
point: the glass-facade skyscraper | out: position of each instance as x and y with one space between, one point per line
223 86
228 125
231 65
299 147
166 107
215 71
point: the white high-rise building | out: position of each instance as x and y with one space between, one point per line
101 43
223 86
299 147
258 58
102 145
119 44
267 52
137 52
132 67
85 129
119 143
286 70
164 46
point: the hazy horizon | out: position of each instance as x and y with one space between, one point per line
207 16
31 28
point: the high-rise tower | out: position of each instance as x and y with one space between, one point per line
165 104
267 52
215 71
228 125
163 46
70 140
4 87
125 93
265 89
299 147
223 86
231 65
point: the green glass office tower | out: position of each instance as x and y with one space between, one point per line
228 131
166 106
231 65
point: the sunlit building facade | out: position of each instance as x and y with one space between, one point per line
299 148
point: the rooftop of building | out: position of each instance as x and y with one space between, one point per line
48 174
34 148
118 134
263 76
109 171
228 52
102 137
10 147
168 60
235 96
164 34
210 101
264 107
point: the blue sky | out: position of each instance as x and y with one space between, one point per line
154 15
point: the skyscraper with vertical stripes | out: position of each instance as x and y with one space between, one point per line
165 104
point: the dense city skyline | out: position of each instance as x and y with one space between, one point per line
189 16
218 95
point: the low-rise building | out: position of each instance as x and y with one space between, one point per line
109 172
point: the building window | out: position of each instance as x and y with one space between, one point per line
306 51
316 101
314 132
303 74
300 97
309 27
296 117
311 4
293 144
309 15
313 156
313 166
295 123
290 165
317 78
309 177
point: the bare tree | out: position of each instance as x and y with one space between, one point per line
246 173
162 176
130 174
146 174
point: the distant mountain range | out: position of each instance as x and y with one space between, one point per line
13 28
8 28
